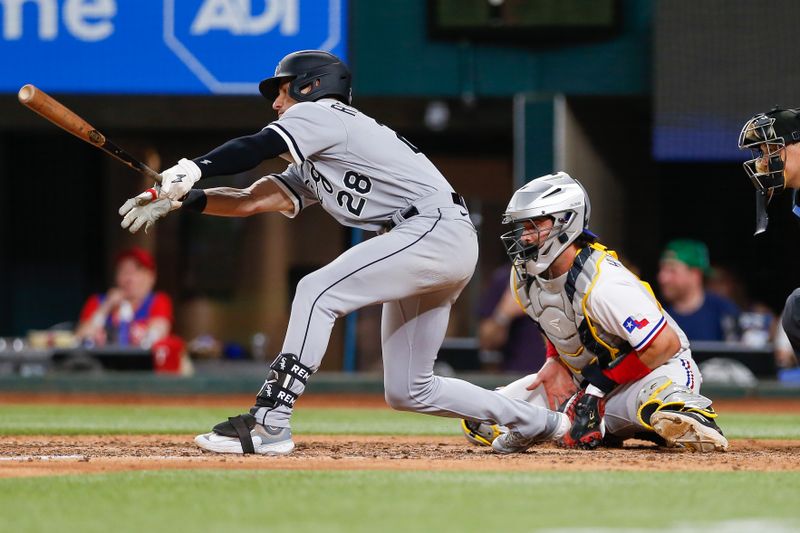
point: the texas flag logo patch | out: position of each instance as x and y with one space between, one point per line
632 323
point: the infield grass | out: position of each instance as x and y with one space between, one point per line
123 419
353 501
383 501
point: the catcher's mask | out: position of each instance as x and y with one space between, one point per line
324 74
558 197
766 135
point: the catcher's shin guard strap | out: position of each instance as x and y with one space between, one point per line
243 432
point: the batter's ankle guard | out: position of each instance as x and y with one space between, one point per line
285 372
238 427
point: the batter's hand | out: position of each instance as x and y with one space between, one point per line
144 210
141 199
557 381
176 181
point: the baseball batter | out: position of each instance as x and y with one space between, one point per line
606 332
366 176
774 140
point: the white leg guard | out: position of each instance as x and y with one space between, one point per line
662 393
680 416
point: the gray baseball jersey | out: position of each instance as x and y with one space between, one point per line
360 171
363 173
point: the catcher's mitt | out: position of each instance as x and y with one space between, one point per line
585 411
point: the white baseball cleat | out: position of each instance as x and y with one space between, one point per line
514 441
242 435
689 430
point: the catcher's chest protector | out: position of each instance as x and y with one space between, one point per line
559 308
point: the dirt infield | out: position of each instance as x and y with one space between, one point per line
39 456
22 456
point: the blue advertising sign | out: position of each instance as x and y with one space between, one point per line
160 46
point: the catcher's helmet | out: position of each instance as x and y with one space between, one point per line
766 134
558 196
324 73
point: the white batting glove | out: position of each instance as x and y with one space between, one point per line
144 210
142 199
176 181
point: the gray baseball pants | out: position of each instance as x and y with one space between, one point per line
417 271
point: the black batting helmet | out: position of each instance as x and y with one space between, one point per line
324 73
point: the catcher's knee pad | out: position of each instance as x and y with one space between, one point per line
662 393
481 433
286 381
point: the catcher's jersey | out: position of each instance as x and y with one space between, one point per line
598 309
358 170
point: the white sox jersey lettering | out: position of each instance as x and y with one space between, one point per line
359 170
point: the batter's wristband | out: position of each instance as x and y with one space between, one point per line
195 200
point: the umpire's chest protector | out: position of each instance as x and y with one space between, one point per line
558 306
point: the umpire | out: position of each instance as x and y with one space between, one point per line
774 140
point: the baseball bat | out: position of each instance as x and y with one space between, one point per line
48 107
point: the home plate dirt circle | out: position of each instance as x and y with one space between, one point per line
54 455
45 455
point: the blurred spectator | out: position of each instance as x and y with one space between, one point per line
505 331
131 313
701 315
757 322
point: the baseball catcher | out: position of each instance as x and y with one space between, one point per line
620 361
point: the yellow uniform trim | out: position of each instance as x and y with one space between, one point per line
652 400
477 438
578 370
605 251
677 406
515 288
709 413
650 290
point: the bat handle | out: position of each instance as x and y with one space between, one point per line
150 173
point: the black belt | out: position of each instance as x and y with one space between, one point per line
412 211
